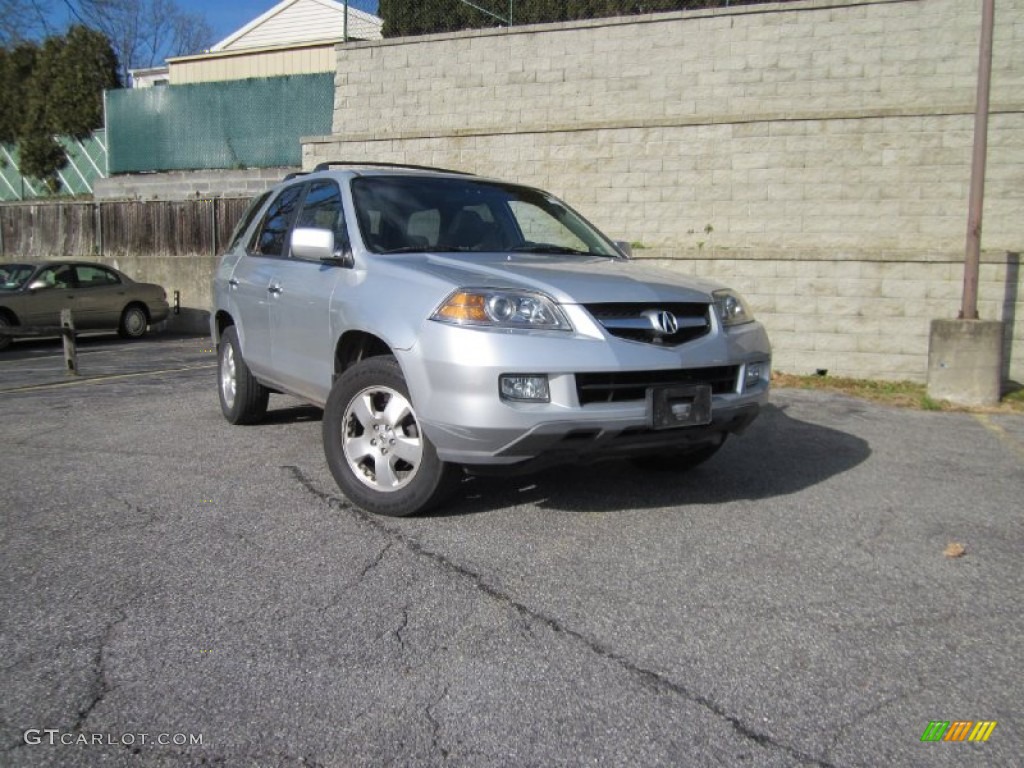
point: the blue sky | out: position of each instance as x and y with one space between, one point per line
226 16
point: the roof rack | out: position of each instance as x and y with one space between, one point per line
294 174
327 166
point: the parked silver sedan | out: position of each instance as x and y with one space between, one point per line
32 294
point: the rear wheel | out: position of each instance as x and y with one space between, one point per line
134 322
375 448
680 460
243 400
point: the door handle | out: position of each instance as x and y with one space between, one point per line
274 289
233 283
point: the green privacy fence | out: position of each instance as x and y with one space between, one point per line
87 162
253 123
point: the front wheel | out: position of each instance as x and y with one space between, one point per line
375 447
243 400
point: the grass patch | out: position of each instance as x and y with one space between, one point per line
1015 398
903 394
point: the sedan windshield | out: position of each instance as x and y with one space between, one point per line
13 276
405 214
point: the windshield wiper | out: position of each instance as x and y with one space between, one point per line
552 248
428 249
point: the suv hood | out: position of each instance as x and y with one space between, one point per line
566 279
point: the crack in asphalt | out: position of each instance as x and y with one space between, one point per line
401 626
147 518
346 588
857 719
372 565
101 686
654 679
435 725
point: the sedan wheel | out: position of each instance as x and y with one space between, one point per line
375 447
134 322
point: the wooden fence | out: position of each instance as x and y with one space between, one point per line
64 229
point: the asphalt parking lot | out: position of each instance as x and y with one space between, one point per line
177 591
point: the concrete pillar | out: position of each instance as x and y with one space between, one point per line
965 361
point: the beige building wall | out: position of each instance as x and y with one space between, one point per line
258 62
816 155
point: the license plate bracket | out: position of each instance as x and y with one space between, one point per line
672 407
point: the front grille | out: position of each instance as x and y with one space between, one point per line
622 386
637 322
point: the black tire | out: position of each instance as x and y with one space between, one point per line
243 400
134 322
681 460
5 341
378 455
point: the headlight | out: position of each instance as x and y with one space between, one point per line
501 309
731 308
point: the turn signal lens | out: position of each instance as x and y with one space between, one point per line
463 307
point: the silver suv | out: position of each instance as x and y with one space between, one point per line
447 322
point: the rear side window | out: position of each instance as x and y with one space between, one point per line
243 223
95 276
272 234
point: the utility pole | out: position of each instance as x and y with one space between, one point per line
975 206
965 355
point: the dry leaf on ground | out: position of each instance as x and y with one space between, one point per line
954 549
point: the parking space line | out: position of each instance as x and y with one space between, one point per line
101 379
1004 437
57 354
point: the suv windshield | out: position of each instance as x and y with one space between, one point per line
400 214
13 276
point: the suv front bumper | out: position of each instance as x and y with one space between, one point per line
453 376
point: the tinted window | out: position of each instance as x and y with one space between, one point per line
412 213
272 237
61 276
243 224
93 276
322 210
13 276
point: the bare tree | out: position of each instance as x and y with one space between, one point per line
144 32
23 20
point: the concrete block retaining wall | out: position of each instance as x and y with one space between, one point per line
184 185
814 154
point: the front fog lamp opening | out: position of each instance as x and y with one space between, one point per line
754 375
525 387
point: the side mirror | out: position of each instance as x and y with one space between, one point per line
37 285
624 248
318 245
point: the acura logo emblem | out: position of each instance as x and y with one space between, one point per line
664 323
